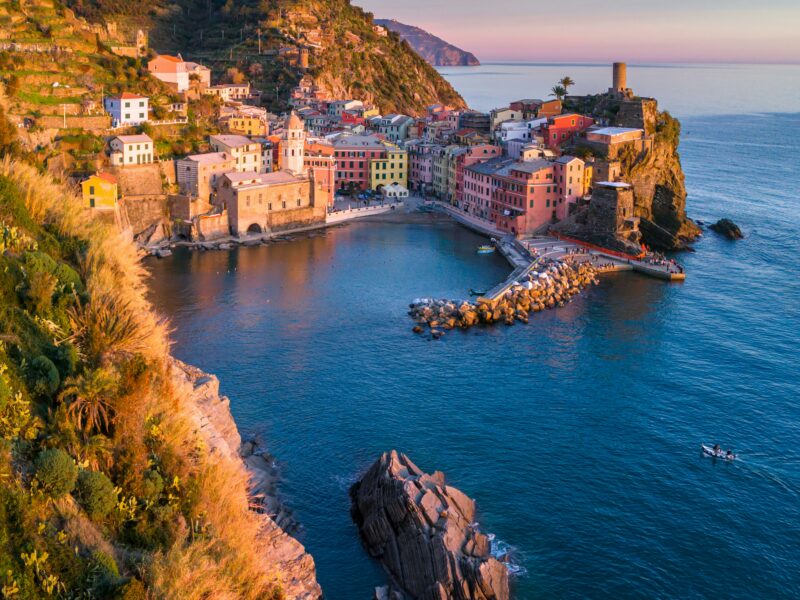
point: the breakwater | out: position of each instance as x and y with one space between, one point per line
547 284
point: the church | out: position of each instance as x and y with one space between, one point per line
296 196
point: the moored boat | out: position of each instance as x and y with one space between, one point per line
486 249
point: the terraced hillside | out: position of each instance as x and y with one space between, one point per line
262 39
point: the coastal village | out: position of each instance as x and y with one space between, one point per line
522 170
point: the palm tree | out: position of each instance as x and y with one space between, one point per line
558 91
89 407
566 82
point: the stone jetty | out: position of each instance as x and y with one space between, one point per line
424 533
550 284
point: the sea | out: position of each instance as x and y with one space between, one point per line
579 434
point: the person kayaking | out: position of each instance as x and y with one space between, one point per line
717 449
729 454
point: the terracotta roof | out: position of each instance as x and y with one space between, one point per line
138 138
104 176
176 59
129 96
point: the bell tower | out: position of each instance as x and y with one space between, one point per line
293 145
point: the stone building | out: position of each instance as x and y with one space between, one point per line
198 174
296 196
245 151
611 212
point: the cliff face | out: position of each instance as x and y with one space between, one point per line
433 49
655 173
212 419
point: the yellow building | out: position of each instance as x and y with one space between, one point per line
370 112
100 191
247 126
391 169
588 173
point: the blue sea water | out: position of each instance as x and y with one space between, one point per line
577 434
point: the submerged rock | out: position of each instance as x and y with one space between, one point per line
727 228
423 532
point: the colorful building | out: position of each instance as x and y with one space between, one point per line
354 155
561 129
197 175
392 168
100 191
247 125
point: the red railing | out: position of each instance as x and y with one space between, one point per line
622 255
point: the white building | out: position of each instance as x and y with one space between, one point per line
394 191
127 109
266 154
131 150
178 73
245 151
336 108
229 91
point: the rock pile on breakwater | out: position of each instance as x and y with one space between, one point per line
553 284
425 535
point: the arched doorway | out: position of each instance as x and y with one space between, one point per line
255 228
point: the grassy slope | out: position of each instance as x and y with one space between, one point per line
76 331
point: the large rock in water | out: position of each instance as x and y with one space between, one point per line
422 531
727 228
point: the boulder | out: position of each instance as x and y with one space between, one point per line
727 228
423 533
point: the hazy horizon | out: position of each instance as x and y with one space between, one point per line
634 31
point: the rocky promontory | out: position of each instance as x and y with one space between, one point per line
424 533
433 49
210 411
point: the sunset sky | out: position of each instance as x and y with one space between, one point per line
630 30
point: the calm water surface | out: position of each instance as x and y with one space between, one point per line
576 434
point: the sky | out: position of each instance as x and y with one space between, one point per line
740 31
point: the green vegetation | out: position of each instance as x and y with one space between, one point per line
108 489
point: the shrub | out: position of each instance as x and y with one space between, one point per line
152 486
43 377
133 590
96 494
56 472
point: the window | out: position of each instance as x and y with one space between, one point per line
269 206
531 203
298 202
91 190
283 204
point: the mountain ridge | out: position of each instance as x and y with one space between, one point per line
432 48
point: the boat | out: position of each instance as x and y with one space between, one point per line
474 292
709 451
486 249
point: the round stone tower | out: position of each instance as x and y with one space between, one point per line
293 144
620 82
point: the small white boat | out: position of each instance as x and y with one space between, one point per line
486 249
722 454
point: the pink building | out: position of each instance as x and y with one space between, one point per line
469 156
421 168
561 129
522 197
354 155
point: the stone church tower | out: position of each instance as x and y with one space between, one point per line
293 144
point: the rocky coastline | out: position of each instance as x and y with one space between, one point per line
212 418
551 284
424 533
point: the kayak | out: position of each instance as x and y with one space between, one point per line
485 249
473 292
709 451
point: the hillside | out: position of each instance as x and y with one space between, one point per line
433 49
119 467
261 39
